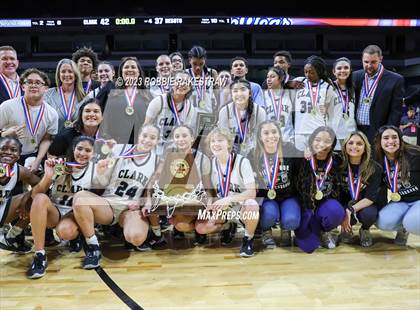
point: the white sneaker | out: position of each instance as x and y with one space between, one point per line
328 240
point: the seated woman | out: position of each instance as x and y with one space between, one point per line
276 167
12 208
233 178
86 124
124 178
401 162
55 208
318 183
361 183
183 138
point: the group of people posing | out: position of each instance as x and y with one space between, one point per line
309 153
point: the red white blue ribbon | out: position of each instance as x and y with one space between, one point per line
272 172
242 129
393 182
88 86
313 95
368 92
319 181
224 180
355 183
200 85
129 153
175 111
32 128
9 171
130 98
12 93
344 98
68 109
277 108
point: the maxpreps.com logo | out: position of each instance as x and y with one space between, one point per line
226 215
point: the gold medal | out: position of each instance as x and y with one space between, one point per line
313 112
129 110
319 195
366 100
271 194
33 141
59 169
68 124
395 197
105 149
202 104
111 162
2 172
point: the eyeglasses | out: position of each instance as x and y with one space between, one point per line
34 83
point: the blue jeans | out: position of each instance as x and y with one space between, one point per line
288 212
397 215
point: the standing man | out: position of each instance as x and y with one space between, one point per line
379 94
239 70
87 61
9 79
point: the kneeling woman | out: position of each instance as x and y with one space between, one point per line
55 209
361 180
125 177
319 186
276 167
401 163
233 178
12 207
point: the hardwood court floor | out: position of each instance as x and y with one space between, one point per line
384 276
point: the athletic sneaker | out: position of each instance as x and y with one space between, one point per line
328 240
347 237
38 267
17 244
366 239
155 241
401 237
267 239
285 238
199 239
178 235
141 248
227 235
247 249
93 256
50 239
75 245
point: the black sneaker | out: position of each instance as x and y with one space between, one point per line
145 247
227 235
50 239
164 223
155 241
93 256
199 239
75 245
247 249
258 233
178 235
17 244
38 267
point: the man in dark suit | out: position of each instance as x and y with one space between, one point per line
379 94
9 80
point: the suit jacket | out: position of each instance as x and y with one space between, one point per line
386 106
4 95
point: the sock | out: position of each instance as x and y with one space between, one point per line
14 232
156 231
40 251
248 235
92 240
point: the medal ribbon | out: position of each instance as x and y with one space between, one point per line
68 110
393 183
12 93
241 130
319 182
313 95
271 175
224 182
274 100
88 86
129 153
201 87
9 171
368 92
344 98
28 120
354 192
130 97
175 113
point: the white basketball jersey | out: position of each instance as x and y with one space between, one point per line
6 190
130 176
65 186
